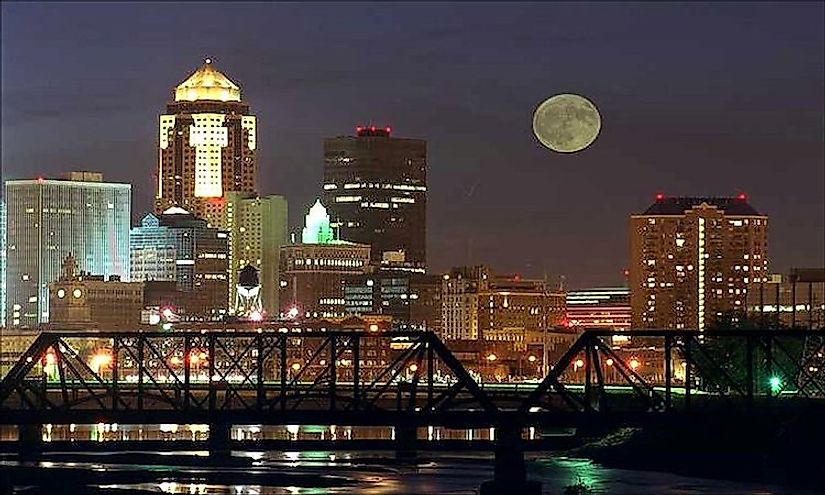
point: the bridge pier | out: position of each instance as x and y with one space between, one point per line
30 440
219 441
406 438
509 474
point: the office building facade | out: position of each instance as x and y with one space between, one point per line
793 300
412 300
692 260
207 143
606 308
49 218
179 247
476 305
258 228
79 300
375 187
461 292
312 273
312 277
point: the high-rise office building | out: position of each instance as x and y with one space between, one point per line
375 187
258 228
179 247
312 272
692 259
46 220
207 141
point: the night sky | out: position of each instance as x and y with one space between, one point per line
696 99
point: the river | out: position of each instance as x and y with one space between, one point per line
291 473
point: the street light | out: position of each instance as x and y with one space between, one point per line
531 358
491 357
99 360
50 359
634 363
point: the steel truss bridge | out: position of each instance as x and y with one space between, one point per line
401 379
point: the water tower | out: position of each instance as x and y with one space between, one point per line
248 294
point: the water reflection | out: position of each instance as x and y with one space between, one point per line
343 472
105 432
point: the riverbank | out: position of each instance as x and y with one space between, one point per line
789 452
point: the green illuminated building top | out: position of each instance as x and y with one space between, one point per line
316 226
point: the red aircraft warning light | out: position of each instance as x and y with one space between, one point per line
373 131
660 196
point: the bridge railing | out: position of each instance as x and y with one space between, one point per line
406 372
243 371
664 370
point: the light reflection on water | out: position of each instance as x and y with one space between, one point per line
104 432
289 473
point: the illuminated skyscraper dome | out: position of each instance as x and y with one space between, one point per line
207 83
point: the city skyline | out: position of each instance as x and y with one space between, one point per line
493 247
490 180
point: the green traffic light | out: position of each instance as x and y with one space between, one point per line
775 383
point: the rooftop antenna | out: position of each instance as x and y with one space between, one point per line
561 283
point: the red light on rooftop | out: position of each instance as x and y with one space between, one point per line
40 180
388 129
359 129
372 129
742 196
660 196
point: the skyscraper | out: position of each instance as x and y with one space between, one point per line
375 187
258 227
46 220
207 141
312 272
179 247
692 259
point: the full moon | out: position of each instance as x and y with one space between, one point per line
566 123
